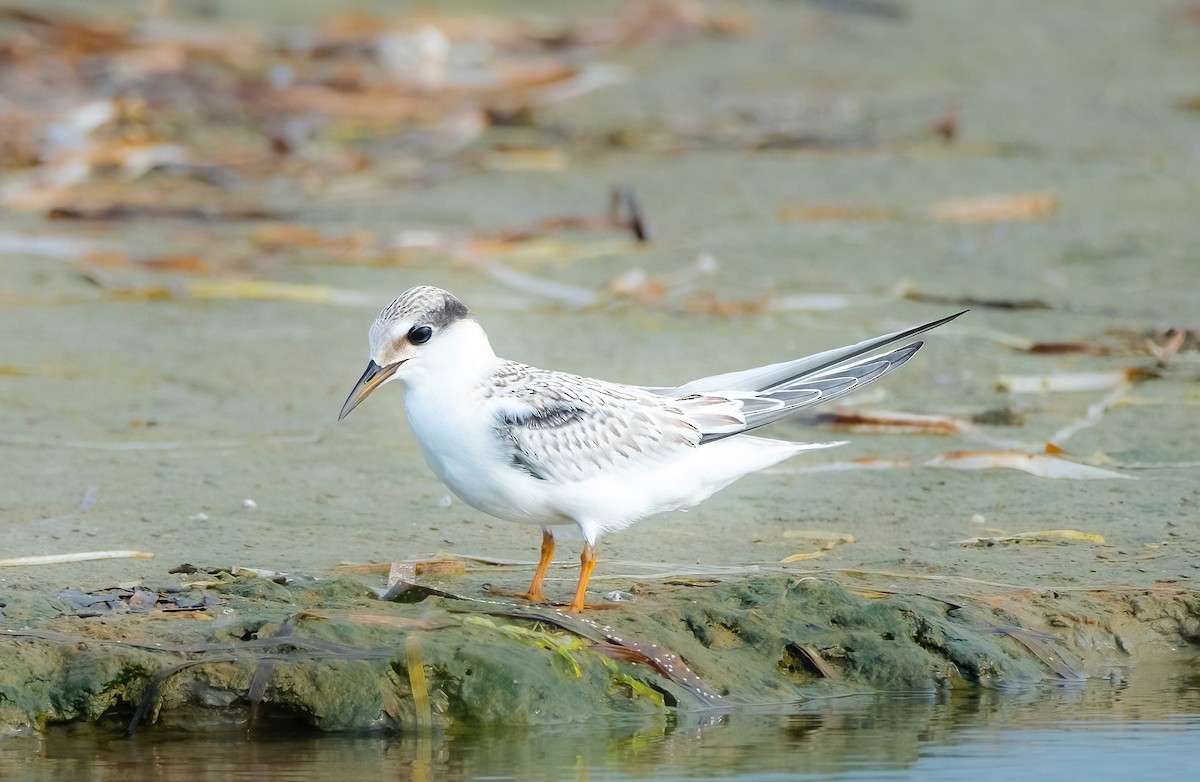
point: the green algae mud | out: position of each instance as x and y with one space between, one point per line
331 655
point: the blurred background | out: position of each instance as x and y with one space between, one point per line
204 204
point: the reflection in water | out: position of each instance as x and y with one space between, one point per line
1108 728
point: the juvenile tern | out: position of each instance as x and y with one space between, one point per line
550 448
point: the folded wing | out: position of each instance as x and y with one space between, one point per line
776 391
560 427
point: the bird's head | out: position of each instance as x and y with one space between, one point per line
424 326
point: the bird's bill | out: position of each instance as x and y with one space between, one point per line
373 378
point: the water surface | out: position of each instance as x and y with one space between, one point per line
1139 724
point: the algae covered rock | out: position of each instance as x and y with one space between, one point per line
329 654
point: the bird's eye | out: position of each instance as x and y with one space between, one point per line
419 335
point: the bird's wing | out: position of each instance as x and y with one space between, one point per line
818 365
562 427
760 408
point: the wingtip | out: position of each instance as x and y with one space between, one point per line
935 323
948 318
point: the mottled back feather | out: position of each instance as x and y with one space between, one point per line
563 427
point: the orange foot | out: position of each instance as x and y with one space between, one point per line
530 595
534 594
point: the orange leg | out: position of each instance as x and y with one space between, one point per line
535 589
587 563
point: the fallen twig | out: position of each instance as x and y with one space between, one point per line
81 556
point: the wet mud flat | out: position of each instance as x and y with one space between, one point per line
331 655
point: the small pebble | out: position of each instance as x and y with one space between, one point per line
444 501
198 517
978 518
249 503
617 596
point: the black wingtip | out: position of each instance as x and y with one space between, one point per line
933 324
943 321
870 347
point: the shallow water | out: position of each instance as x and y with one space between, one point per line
1143 724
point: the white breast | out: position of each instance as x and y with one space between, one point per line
457 436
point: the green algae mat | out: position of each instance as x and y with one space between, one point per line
332 655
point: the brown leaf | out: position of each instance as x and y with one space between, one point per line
376 103
190 264
1056 348
892 422
108 259
291 235
440 567
811 213
998 208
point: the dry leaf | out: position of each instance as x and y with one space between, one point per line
1041 465
189 264
378 103
439 567
1056 348
108 259
83 556
806 555
265 290
290 235
528 159
831 540
870 594
998 208
798 212
1041 536
363 568
892 422
815 302
1072 381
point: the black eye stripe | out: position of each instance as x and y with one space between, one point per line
419 335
